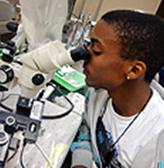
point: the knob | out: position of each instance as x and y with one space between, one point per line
6 74
38 79
3 138
10 125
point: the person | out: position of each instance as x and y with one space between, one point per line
124 108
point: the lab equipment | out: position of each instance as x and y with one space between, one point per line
25 118
36 68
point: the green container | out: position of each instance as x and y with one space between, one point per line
70 79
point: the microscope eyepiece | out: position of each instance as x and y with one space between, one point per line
80 53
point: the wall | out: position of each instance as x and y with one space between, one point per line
90 6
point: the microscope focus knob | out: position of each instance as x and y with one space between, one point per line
10 124
3 138
38 79
6 74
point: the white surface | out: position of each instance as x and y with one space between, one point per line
54 139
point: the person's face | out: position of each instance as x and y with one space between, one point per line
105 68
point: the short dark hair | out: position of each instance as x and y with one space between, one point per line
141 37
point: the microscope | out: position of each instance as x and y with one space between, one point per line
31 71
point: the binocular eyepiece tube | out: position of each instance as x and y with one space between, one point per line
80 53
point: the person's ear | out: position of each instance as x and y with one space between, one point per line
137 70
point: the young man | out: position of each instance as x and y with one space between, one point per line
124 113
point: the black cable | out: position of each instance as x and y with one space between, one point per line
5 98
63 114
21 154
15 151
5 107
12 155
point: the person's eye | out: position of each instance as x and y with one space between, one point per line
96 50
